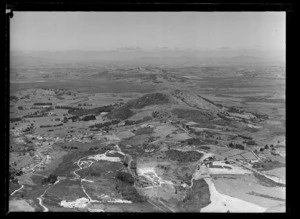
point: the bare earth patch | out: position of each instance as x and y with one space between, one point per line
20 206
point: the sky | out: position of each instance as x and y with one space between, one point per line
62 31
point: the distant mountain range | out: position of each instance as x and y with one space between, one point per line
159 56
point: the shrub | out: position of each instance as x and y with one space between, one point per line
105 124
205 147
89 117
251 142
52 178
42 104
192 141
186 156
13 98
239 146
129 192
125 177
15 119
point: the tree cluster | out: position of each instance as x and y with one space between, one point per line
47 126
105 124
13 98
42 104
132 122
125 187
250 142
192 141
96 110
15 119
70 147
13 173
237 146
121 113
125 177
89 117
52 178
67 107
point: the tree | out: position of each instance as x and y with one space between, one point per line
52 178
65 120
266 147
261 149
125 178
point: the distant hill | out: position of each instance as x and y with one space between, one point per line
125 111
120 113
148 99
139 56
195 101
185 104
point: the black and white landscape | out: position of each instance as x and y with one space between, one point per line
147 112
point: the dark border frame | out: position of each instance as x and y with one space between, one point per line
288 7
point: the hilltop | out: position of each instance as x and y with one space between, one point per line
151 99
148 100
195 101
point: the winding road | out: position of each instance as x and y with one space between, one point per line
42 197
22 186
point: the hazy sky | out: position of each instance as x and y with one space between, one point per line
110 30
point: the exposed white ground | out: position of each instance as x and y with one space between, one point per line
86 203
107 198
78 203
150 173
243 186
278 172
234 169
98 157
224 203
20 205
253 126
